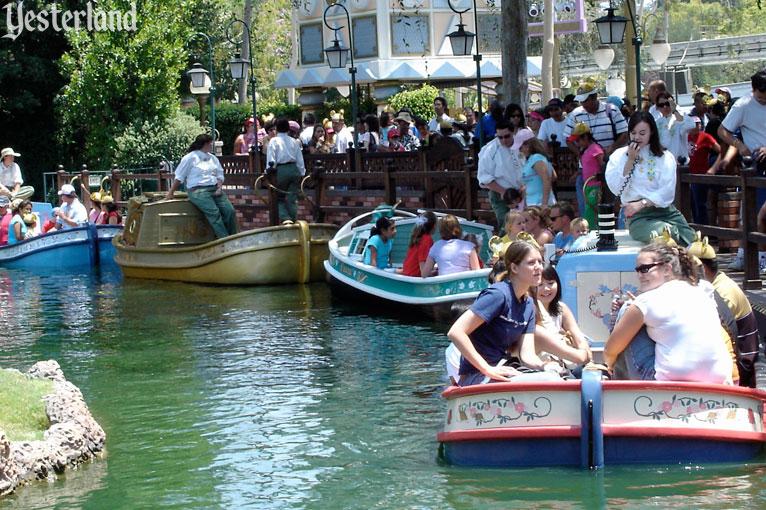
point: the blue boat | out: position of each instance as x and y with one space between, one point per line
89 245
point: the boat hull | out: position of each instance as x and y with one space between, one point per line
591 423
273 255
88 245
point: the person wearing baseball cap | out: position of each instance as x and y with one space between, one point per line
552 128
534 119
606 123
72 212
10 176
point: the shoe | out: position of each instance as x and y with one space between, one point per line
287 222
737 264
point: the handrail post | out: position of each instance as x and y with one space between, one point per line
683 192
116 185
752 278
470 188
389 186
60 177
317 175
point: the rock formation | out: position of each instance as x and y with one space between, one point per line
73 435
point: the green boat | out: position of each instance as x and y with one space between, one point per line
432 297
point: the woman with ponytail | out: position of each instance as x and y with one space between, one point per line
671 332
421 241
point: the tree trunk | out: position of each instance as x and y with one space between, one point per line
547 70
514 51
247 16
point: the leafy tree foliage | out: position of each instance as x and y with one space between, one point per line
420 101
120 78
144 144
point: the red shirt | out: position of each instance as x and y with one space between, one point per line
699 153
6 222
417 254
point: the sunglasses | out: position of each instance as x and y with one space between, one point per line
662 105
554 218
517 115
503 137
645 268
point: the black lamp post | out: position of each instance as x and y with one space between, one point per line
462 43
238 67
337 55
198 74
611 30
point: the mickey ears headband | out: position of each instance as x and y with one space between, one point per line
664 238
527 238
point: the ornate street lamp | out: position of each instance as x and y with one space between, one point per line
462 44
611 30
238 67
659 50
337 55
198 74
603 56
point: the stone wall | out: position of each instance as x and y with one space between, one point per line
73 436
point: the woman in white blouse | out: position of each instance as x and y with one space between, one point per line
203 175
643 176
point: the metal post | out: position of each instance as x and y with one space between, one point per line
637 41
477 58
246 28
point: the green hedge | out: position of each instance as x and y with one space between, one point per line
420 101
144 144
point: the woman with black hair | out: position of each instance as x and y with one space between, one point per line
203 175
515 115
643 176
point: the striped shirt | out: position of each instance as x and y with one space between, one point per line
600 125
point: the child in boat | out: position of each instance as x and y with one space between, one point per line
30 220
515 222
451 253
378 250
421 241
556 330
579 227
50 224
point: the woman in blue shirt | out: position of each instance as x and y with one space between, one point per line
502 317
537 173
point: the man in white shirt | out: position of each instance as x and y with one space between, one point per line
500 168
72 212
440 109
343 135
748 115
286 155
308 128
554 125
673 127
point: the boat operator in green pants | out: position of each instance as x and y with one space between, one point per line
285 152
203 175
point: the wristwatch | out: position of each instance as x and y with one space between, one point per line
644 202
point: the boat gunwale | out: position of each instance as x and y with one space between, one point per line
215 242
489 434
718 434
61 244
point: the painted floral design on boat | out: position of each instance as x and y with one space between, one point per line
684 408
504 410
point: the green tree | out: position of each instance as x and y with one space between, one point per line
117 78
420 100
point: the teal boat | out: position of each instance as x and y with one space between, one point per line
431 297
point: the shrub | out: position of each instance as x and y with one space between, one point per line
144 144
420 101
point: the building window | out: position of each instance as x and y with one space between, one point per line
409 35
312 45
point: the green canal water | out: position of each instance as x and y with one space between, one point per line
280 398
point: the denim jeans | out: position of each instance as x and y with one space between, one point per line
699 203
636 362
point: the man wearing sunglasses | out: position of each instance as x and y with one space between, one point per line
500 167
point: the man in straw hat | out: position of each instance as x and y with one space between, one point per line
746 343
10 176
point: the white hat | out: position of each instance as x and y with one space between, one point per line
66 189
9 152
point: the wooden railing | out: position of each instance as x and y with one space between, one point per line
748 181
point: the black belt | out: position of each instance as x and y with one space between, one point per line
282 164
